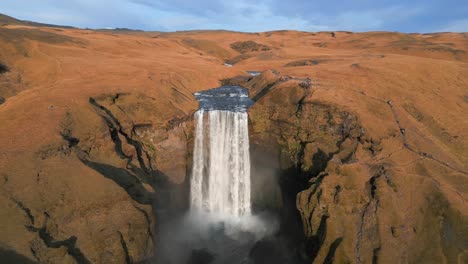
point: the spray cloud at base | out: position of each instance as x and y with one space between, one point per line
220 226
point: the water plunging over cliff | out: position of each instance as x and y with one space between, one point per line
220 227
220 182
221 164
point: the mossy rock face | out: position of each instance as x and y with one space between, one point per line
249 46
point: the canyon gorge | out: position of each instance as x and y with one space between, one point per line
355 145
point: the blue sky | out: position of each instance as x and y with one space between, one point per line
249 16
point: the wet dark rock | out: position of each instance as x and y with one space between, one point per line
201 256
267 251
236 81
3 68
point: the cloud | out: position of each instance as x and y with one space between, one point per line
247 15
367 19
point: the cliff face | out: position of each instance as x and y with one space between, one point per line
358 140
362 197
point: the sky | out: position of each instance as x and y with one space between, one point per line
248 16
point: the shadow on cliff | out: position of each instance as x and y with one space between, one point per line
10 256
290 239
124 179
292 181
3 68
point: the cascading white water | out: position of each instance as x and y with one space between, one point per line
220 182
220 223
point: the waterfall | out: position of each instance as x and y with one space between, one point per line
220 183
220 223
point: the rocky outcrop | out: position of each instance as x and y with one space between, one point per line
156 158
144 166
303 63
10 82
348 195
249 46
3 68
247 49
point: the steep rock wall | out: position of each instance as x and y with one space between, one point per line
355 203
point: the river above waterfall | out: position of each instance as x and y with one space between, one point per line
228 98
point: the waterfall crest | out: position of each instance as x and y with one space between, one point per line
220 183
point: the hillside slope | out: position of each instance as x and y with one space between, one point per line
367 133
